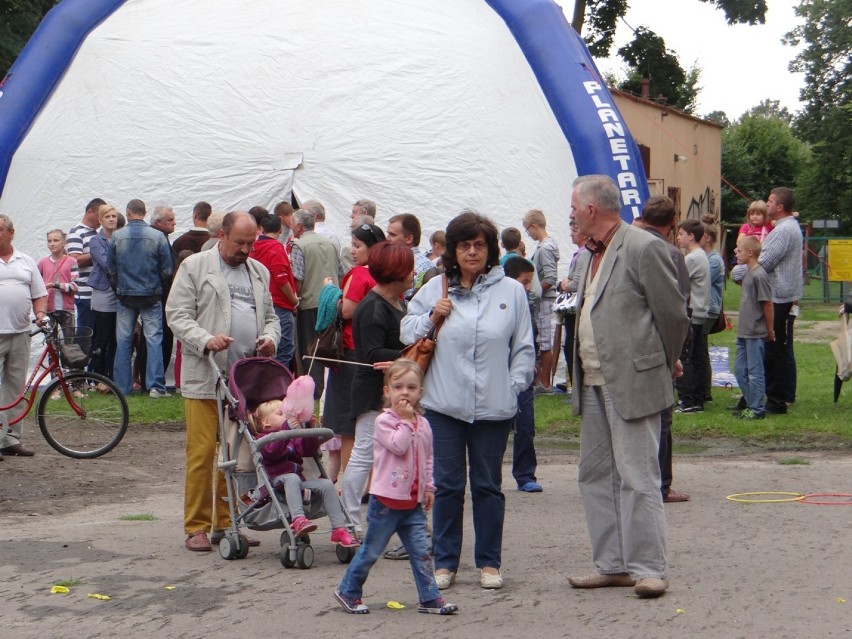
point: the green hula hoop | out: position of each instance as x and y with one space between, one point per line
744 498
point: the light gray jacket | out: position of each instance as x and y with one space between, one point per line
485 354
199 307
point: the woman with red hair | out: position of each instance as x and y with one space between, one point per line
375 328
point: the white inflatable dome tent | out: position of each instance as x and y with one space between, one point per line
426 106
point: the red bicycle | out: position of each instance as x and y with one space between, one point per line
80 414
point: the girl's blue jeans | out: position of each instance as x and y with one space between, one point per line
382 523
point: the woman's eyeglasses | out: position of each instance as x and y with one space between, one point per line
464 247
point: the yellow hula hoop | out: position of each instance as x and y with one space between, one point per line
738 497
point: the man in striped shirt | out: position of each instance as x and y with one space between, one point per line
77 246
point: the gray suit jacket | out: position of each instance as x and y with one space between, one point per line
639 320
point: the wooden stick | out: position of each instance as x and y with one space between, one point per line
335 361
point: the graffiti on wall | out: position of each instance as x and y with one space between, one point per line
705 203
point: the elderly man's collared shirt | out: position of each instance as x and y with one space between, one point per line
20 284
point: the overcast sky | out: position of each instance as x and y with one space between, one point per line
740 65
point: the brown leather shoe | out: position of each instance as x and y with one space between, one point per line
217 535
198 542
16 451
619 580
651 587
674 497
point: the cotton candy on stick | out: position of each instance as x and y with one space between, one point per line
300 398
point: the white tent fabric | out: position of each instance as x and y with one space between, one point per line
426 106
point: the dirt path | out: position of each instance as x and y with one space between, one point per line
737 570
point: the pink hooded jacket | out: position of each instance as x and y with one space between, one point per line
400 451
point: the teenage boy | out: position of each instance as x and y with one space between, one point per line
510 240
691 387
523 450
545 259
754 328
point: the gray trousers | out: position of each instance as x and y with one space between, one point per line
620 485
293 486
14 359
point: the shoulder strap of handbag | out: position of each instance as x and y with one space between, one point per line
433 332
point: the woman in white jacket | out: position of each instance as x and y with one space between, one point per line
483 359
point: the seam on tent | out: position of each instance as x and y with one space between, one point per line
41 65
563 66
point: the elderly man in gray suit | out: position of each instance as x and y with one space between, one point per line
631 323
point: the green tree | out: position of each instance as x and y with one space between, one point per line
648 57
18 21
601 18
826 120
719 117
759 152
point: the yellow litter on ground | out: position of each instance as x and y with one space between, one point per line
59 590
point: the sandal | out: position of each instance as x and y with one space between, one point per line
198 542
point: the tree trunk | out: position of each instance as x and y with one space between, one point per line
579 15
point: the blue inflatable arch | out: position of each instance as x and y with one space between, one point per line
558 57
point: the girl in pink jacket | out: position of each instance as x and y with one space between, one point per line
401 492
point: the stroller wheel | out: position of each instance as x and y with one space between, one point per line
344 554
242 547
284 556
284 540
305 556
227 547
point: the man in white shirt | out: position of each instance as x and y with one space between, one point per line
21 289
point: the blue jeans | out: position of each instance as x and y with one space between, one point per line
85 314
382 523
456 444
152 328
86 317
523 448
287 343
748 369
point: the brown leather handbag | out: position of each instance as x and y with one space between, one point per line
422 350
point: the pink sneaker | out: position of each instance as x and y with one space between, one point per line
343 537
302 526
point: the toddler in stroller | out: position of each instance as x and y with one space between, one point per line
268 462
283 463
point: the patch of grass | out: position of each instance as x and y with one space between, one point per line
70 583
144 410
793 461
139 517
812 422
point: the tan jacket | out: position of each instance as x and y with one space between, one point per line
199 307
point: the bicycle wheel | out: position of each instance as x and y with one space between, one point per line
86 421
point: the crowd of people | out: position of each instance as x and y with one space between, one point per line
254 283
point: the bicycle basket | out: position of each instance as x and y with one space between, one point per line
75 347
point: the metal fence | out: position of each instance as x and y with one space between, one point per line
815 261
818 286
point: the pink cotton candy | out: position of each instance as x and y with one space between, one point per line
300 398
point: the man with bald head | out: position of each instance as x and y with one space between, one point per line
219 303
631 323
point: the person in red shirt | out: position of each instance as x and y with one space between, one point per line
269 251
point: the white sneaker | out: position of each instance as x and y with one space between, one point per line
158 394
489 581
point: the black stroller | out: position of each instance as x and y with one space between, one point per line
254 500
